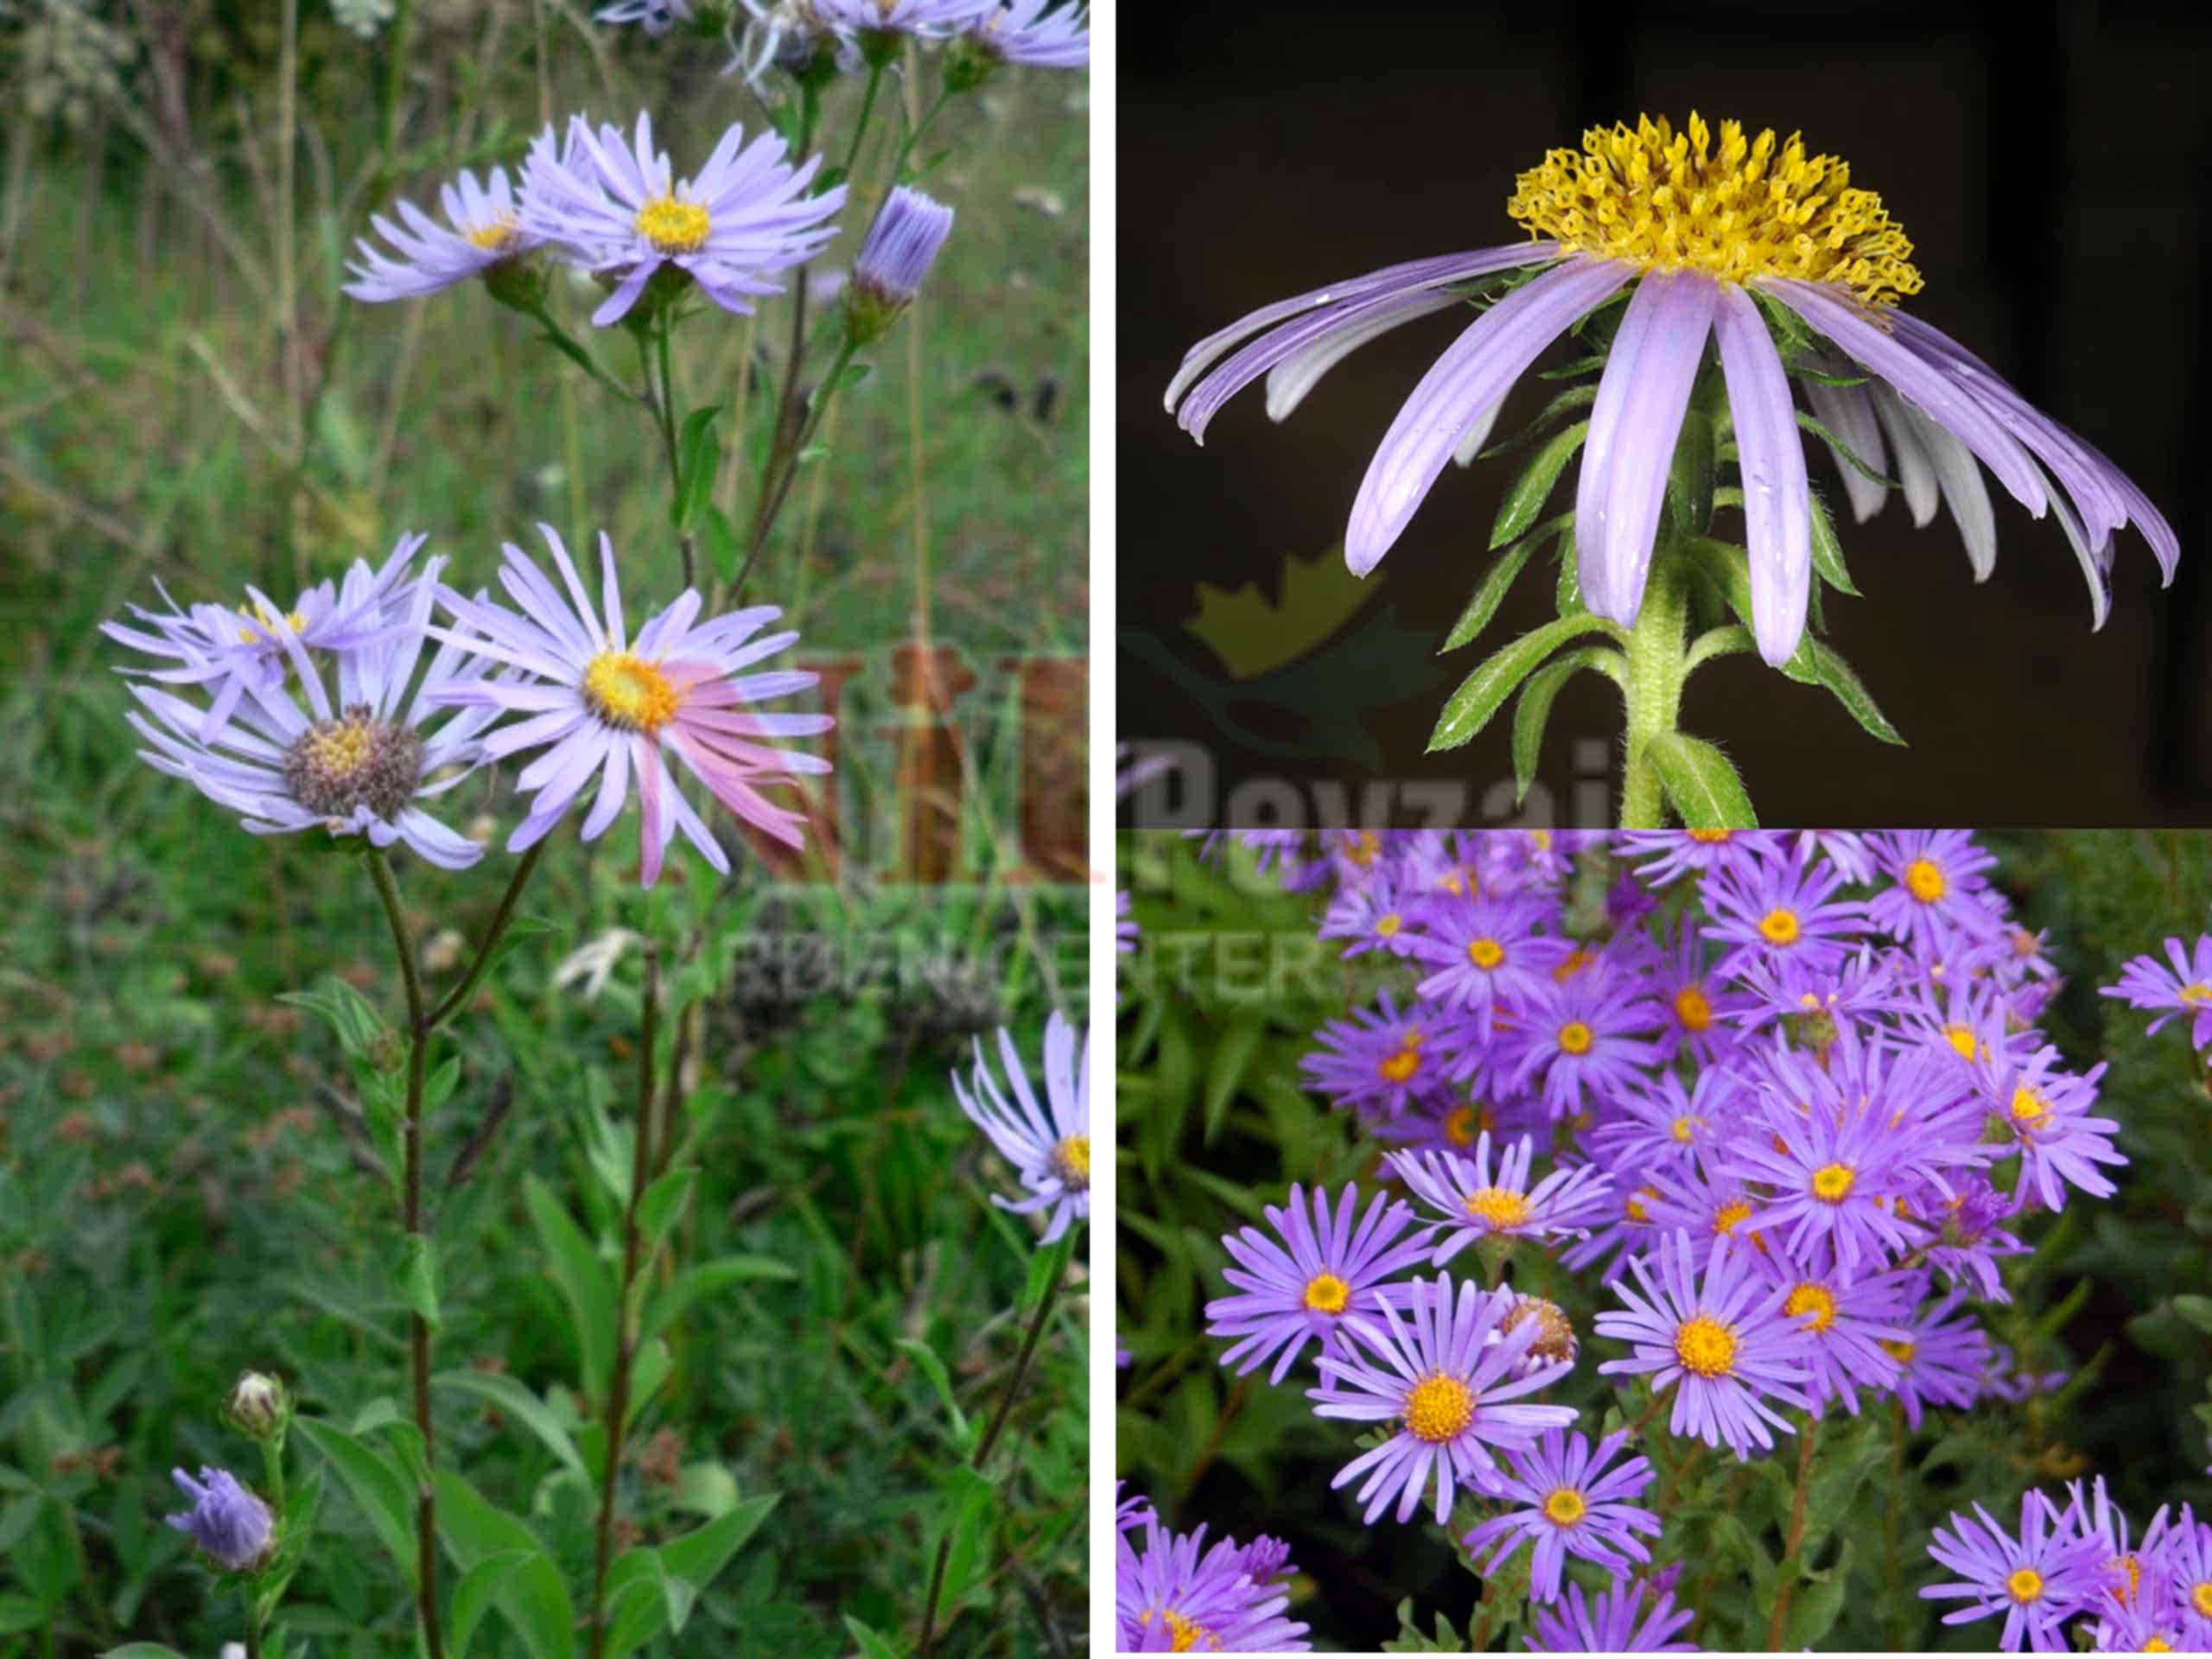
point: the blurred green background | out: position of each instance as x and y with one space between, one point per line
1221 1004
184 396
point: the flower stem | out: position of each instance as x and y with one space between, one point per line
772 503
1651 686
253 1620
1808 1446
617 1393
420 1031
451 1004
990 1437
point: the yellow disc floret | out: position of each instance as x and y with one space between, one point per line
673 227
629 693
1072 1162
1925 881
497 236
1575 1038
1437 1408
1501 1206
2025 1585
1565 1507
1706 1347
1664 199
1326 1294
1832 1183
1779 927
1693 1008
1485 954
1182 1635
1815 1304
1397 1067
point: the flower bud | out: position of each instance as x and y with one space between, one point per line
258 1405
230 1525
901 245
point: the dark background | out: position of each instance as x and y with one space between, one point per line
2050 163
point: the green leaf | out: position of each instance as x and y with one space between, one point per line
1818 1604
967 1506
1528 492
418 1276
872 1645
345 1011
1566 599
1485 691
2197 1310
378 1484
1689 477
637 1594
1232 1058
663 1203
531 1597
1700 782
584 1284
1828 551
1535 709
1575 397
1491 592
1728 569
1835 674
515 1399
698 1556
479 1588
706 1278
698 458
926 1358
720 536
1851 456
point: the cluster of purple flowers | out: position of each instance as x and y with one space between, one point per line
1795 1106
336 713
1176 1596
2081 1560
2181 985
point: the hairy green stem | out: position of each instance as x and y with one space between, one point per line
772 502
1656 664
454 999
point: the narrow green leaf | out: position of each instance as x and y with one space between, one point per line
1728 569
479 1588
698 458
1496 581
418 1276
720 537
514 1399
1574 398
1828 551
1850 455
872 1645
933 1368
698 1556
584 1283
1528 492
662 1203
1232 1058
376 1484
1534 707
1700 782
1836 675
1568 597
532 1598
637 1600
706 1278
1689 476
1485 691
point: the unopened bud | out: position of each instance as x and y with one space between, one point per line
901 246
258 1405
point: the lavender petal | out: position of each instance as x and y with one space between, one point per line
1777 507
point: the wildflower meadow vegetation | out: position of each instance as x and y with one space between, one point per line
1658 1242
541 1107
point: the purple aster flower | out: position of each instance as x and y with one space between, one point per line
1855 1325
616 205
1670 854
1566 1502
1049 1146
1555 1344
1621 1238
1447 1385
1726 1347
1379 1059
228 1522
1938 877
2037 1581
1171 1599
2094 1516
1476 1204
1853 992
1698 232
1612 1621
1329 1278
1587 1036
485 230
1666 1125
900 247
604 705
656 17
2046 1109
289 756
1941 1360
1043 34
1489 952
1373 916
1777 908
2187 988
1699 1005
1969 1238
1132 1511
2188 1570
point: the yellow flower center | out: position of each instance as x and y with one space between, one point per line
1565 1507
1071 1161
1388 925
1923 881
1727 1218
1683 1128
1396 1068
1326 1294
1779 926
1636 1210
1900 1351
2192 996
629 693
1182 1635
1961 1040
1500 1207
673 227
2131 1568
1362 850
1485 954
497 237
1706 1347
1693 1008
1664 199
1832 1183
1459 1127
270 623
2200 1598
1576 960
2030 1105
1711 837
1816 1304
1575 1038
1437 1408
2156 1644
2025 1585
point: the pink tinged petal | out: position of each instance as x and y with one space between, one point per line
1956 475
1474 373
1848 412
1642 398
652 813
1778 511
1931 388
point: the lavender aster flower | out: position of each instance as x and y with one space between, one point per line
1612 1621
617 206
1329 1279
1939 883
1726 1347
901 245
1567 1502
1171 1599
1049 1146
1941 1360
1781 907
228 1522
1588 1036
1043 34
1698 231
1855 1325
1476 1204
2037 1581
355 765
2187 988
656 17
604 705
2189 1566
1447 1385
2046 1108
486 231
